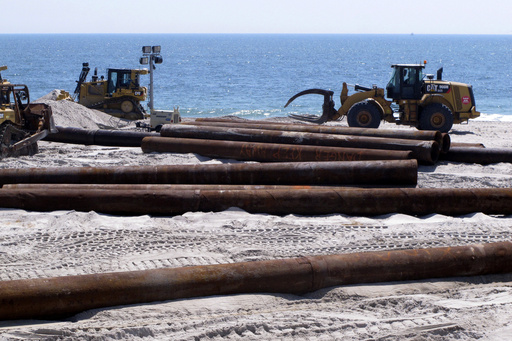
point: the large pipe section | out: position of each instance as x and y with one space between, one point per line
45 298
157 187
101 137
124 138
357 202
266 152
437 136
424 151
479 155
386 172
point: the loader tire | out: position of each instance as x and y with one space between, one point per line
364 115
436 116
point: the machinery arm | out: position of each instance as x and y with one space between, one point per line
83 76
329 113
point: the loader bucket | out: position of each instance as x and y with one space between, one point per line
329 113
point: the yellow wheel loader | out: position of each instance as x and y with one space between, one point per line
119 95
22 123
422 102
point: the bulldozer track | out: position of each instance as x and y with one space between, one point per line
138 108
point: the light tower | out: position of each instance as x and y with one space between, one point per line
157 118
151 55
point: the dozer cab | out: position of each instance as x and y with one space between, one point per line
22 123
119 95
419 101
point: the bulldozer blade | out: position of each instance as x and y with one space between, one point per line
328 111
15 142
26 142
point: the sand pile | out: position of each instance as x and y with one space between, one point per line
67 113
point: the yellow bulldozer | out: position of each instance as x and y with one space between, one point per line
22 123
415 100
119 95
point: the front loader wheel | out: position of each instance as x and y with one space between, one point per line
436 116
363 115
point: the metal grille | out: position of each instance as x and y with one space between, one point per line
457 98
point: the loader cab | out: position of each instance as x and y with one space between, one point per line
12 95
119 79
406 82
126 82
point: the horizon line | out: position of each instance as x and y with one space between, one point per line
261 33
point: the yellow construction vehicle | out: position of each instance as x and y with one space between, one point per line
119 94
422 102
22 123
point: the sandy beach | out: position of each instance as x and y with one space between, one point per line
61 243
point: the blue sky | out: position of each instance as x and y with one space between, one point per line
257 16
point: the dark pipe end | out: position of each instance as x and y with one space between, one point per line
446 143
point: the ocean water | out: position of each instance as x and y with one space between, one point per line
253 76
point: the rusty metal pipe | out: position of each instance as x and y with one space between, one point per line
446 143
426 152
479 155
390 133
160 187
64 296
358 202
266 152
101 137
385 172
